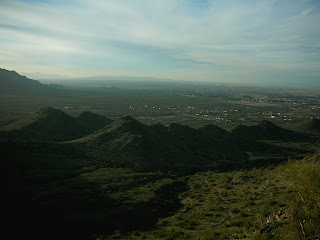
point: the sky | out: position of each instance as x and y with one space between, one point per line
249 41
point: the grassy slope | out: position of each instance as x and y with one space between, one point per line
223 206
243 204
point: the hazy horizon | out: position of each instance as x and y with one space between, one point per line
252 42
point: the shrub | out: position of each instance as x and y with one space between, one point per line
210 235
235 210
272 202
244 214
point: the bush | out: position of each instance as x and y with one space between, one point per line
235 210
210 235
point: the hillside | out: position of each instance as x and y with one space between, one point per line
308 126
51 124
92 121
129 143
264 203
266 130
13 83
128 180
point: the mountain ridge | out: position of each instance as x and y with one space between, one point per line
13 83
129 143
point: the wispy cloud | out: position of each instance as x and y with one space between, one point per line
182 39
306 11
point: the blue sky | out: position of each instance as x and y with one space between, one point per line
225 40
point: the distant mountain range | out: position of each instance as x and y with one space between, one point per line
42 76
66 80
13 83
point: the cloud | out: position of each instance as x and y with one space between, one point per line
306 11
181 37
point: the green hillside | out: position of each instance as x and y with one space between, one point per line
264 203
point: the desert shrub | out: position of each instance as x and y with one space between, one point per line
272 202
244 214
188 224
266 212
210 234
235 210
248 222
173 234
235 223
162 222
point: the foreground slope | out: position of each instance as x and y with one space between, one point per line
55 192
281 202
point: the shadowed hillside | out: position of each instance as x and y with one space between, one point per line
266 130
308 126
129 143
92 121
